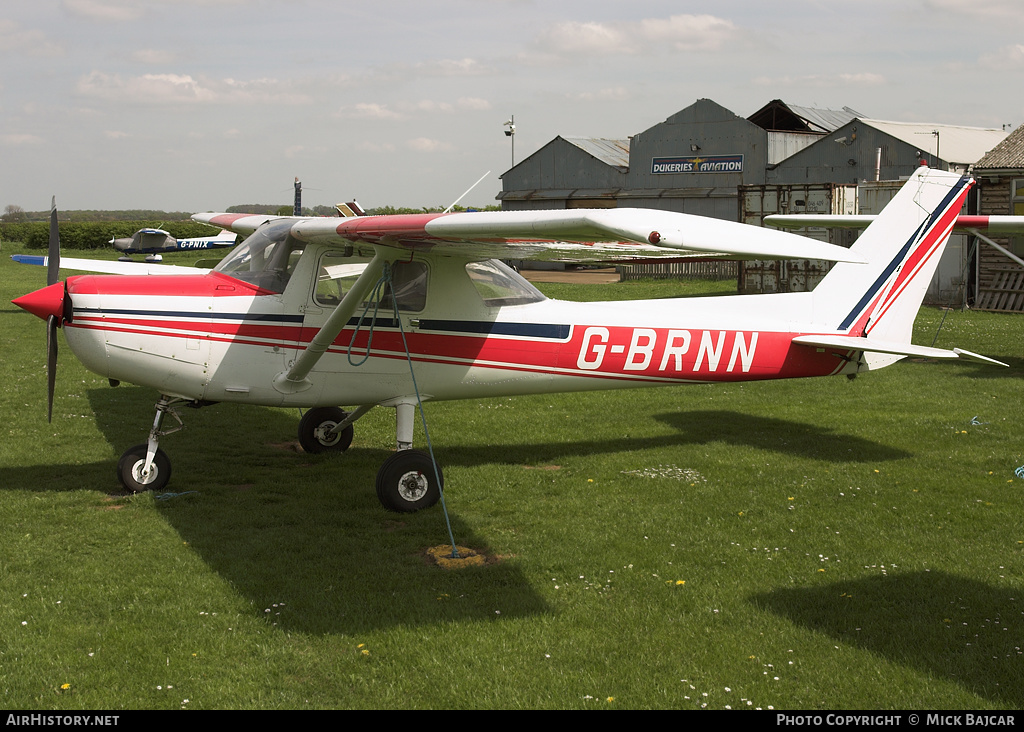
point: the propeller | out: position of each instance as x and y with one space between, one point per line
52 304
52 321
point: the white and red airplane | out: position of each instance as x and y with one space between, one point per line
397 310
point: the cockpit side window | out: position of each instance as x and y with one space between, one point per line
336 274
338 271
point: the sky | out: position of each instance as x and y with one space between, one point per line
196 105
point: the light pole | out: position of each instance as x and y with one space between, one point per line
511 132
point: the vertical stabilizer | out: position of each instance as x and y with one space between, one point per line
903 247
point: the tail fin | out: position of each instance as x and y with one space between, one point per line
903 247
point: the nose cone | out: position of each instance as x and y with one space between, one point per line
45 302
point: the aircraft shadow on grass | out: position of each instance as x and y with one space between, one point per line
307 543
319 557
799 439
949 627
319 546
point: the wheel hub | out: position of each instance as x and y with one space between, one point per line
412 486
144 477
324 436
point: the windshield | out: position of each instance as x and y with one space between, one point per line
266 258
499 285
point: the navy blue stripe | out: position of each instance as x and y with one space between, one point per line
526 330
932 219
188 314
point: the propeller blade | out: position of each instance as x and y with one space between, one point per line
51 363
53 262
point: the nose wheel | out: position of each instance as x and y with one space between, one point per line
146 467
136 477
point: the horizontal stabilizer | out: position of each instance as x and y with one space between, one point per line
995 225
874 345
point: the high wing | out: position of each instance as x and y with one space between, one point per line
108 267
597 234
238 223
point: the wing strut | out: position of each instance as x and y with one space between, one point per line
294 380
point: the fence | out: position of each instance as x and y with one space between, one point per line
697 270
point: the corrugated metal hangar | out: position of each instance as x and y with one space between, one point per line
706 160
695 161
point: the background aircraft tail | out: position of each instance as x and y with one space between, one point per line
903 246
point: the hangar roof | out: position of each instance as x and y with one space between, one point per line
957 145
778 116
610 152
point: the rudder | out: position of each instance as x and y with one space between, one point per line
903 247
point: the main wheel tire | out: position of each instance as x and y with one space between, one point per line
316 423
406 482
129 470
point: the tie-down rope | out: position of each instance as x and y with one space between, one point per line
377 295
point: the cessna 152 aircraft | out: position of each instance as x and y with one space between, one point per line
395 310
154 242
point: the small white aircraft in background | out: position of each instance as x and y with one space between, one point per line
320 313
154 242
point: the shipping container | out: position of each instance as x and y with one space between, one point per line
758 201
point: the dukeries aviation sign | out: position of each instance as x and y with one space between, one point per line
697 164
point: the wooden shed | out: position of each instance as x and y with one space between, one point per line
1000 176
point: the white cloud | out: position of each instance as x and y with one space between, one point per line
473 104
822 80
1005 58
127 11
16 139
368 110
993 10
16 39
116 11
376 147
181 89
154 56
426 145
678 33
452 67
407 110
145 89
609 94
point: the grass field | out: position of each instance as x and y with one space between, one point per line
813 544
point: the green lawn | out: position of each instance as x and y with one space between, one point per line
795 544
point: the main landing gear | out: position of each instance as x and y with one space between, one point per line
407 481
